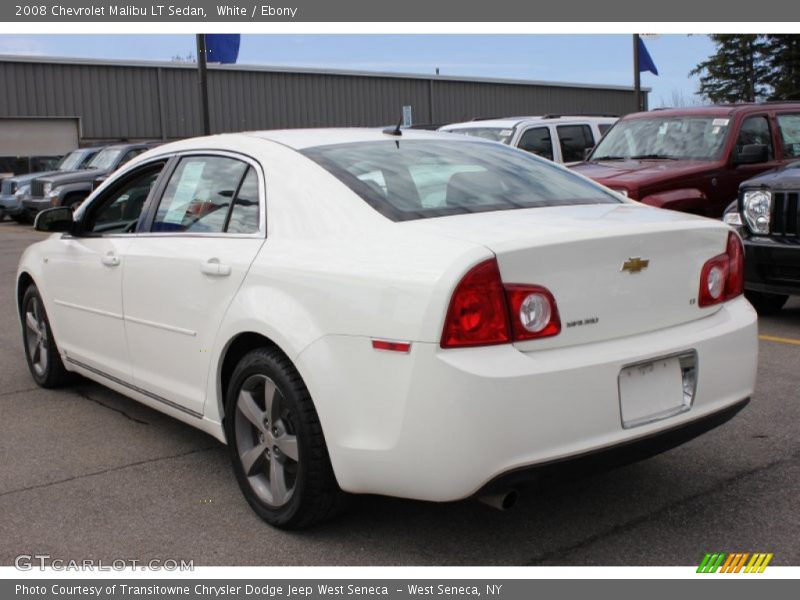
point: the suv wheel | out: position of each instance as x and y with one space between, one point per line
276 443
764 303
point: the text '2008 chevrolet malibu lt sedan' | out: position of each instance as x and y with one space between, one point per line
412 314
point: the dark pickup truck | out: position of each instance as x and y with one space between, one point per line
693 159
767 216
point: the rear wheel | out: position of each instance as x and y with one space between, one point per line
764 303
73 202
41 352
276 443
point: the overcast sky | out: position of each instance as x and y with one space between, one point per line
581 58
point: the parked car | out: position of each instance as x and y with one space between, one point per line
575 135
70 189
693 159
15 190
417 315
767 215
21 165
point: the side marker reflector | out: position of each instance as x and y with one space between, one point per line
391 346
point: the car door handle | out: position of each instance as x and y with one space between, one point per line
215 268
110 260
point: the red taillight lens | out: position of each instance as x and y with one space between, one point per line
483 312
477 315
534 313
722 277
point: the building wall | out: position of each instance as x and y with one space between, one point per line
160 100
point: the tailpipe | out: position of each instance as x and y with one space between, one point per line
503 500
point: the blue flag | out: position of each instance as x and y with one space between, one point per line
222 47
645 61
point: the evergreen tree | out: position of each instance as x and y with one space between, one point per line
782 53
737 72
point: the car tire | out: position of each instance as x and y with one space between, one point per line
764 303
73 202
41 351
276 443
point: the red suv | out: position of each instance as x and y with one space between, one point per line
693 159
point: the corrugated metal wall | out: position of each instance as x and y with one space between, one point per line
144 101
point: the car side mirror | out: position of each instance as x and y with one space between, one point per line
55 219
751 154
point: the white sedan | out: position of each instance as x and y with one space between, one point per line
413 314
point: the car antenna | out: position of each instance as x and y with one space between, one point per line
394 130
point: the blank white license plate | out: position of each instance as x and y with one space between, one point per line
651 391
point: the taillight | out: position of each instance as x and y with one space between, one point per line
477 315
722 277
534 313
483 312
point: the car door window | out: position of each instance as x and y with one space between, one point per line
790 133
199 194
118 210
574 140
537 141
130 154
755 130
603 127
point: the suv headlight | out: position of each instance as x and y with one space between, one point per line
757 207
46 188
22 191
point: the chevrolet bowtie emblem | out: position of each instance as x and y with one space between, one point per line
634 265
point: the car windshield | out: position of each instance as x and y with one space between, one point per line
105 159
417 179
695 138
71 161
495 134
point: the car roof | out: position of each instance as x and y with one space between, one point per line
300 139
511 122
720 110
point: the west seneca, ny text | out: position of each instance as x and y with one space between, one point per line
174 11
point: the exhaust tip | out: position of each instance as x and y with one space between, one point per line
501 501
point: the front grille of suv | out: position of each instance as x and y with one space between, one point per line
8 187
785 214
37 188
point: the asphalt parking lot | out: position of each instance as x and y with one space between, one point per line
87 473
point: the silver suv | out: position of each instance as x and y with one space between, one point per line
575 135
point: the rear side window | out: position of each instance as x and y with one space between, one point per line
574 140
537 141
415 179
790 132
200 194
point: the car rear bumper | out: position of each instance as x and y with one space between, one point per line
440 425
772 266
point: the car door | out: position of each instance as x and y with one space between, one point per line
182 274
755 129
84 274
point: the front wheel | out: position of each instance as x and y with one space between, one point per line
41 352
276 443
764 303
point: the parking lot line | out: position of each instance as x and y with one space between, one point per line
780 340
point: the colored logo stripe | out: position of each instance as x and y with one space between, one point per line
734 562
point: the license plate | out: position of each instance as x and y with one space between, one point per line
651 391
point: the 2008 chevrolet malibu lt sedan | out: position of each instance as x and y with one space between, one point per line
412 314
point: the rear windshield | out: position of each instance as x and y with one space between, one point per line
417 179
